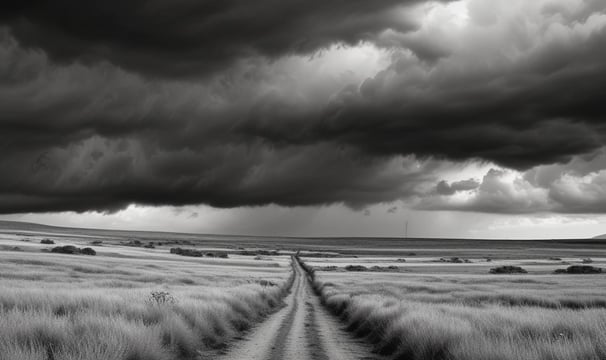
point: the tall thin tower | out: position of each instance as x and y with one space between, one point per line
406 230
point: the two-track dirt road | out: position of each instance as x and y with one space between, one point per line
301 330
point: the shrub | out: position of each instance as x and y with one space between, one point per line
88 251
70 249
161 298
266 283
454 260
47 241
96 242
401 260
356 268
587 261
508 269
554 258
186 252
580 269
149 245
67 249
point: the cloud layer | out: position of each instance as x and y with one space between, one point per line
291 103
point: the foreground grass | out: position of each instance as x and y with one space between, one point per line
467 317
65 307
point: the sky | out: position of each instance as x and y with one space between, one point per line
470 118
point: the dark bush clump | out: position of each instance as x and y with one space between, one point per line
88 251
149 245
580 269
587 261
47 241
186 252
96 242
508 270
555 258
356 268
70 249
67 249
454 260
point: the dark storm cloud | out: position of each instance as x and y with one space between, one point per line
264 129
192 36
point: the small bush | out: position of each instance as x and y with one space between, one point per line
47 241
70 249
579 269
88 251
149 245
186 252
508 270
67 249
96 242
555 258
454 260
401 260
356 268
266 283
161 298
587 261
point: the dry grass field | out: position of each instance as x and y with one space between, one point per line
431 309
412 299
127 303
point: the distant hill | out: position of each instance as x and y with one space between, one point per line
603 236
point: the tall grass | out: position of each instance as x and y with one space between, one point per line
412 323
78 313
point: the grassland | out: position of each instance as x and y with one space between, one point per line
127 303
434 310
135 300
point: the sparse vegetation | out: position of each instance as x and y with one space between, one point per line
356 268
580 269
126 309
454 260
70 249
198 253
47 241
468 317
508 269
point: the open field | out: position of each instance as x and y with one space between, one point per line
431 309
222 297
128 303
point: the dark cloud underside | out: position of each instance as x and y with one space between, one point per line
233 103
187 37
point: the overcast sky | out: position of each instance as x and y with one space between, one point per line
471 118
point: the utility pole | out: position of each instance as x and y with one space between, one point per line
406 230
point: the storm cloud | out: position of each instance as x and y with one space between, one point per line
187 37
292 103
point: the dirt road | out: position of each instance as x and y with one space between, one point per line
301 330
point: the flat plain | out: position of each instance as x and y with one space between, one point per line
242 297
